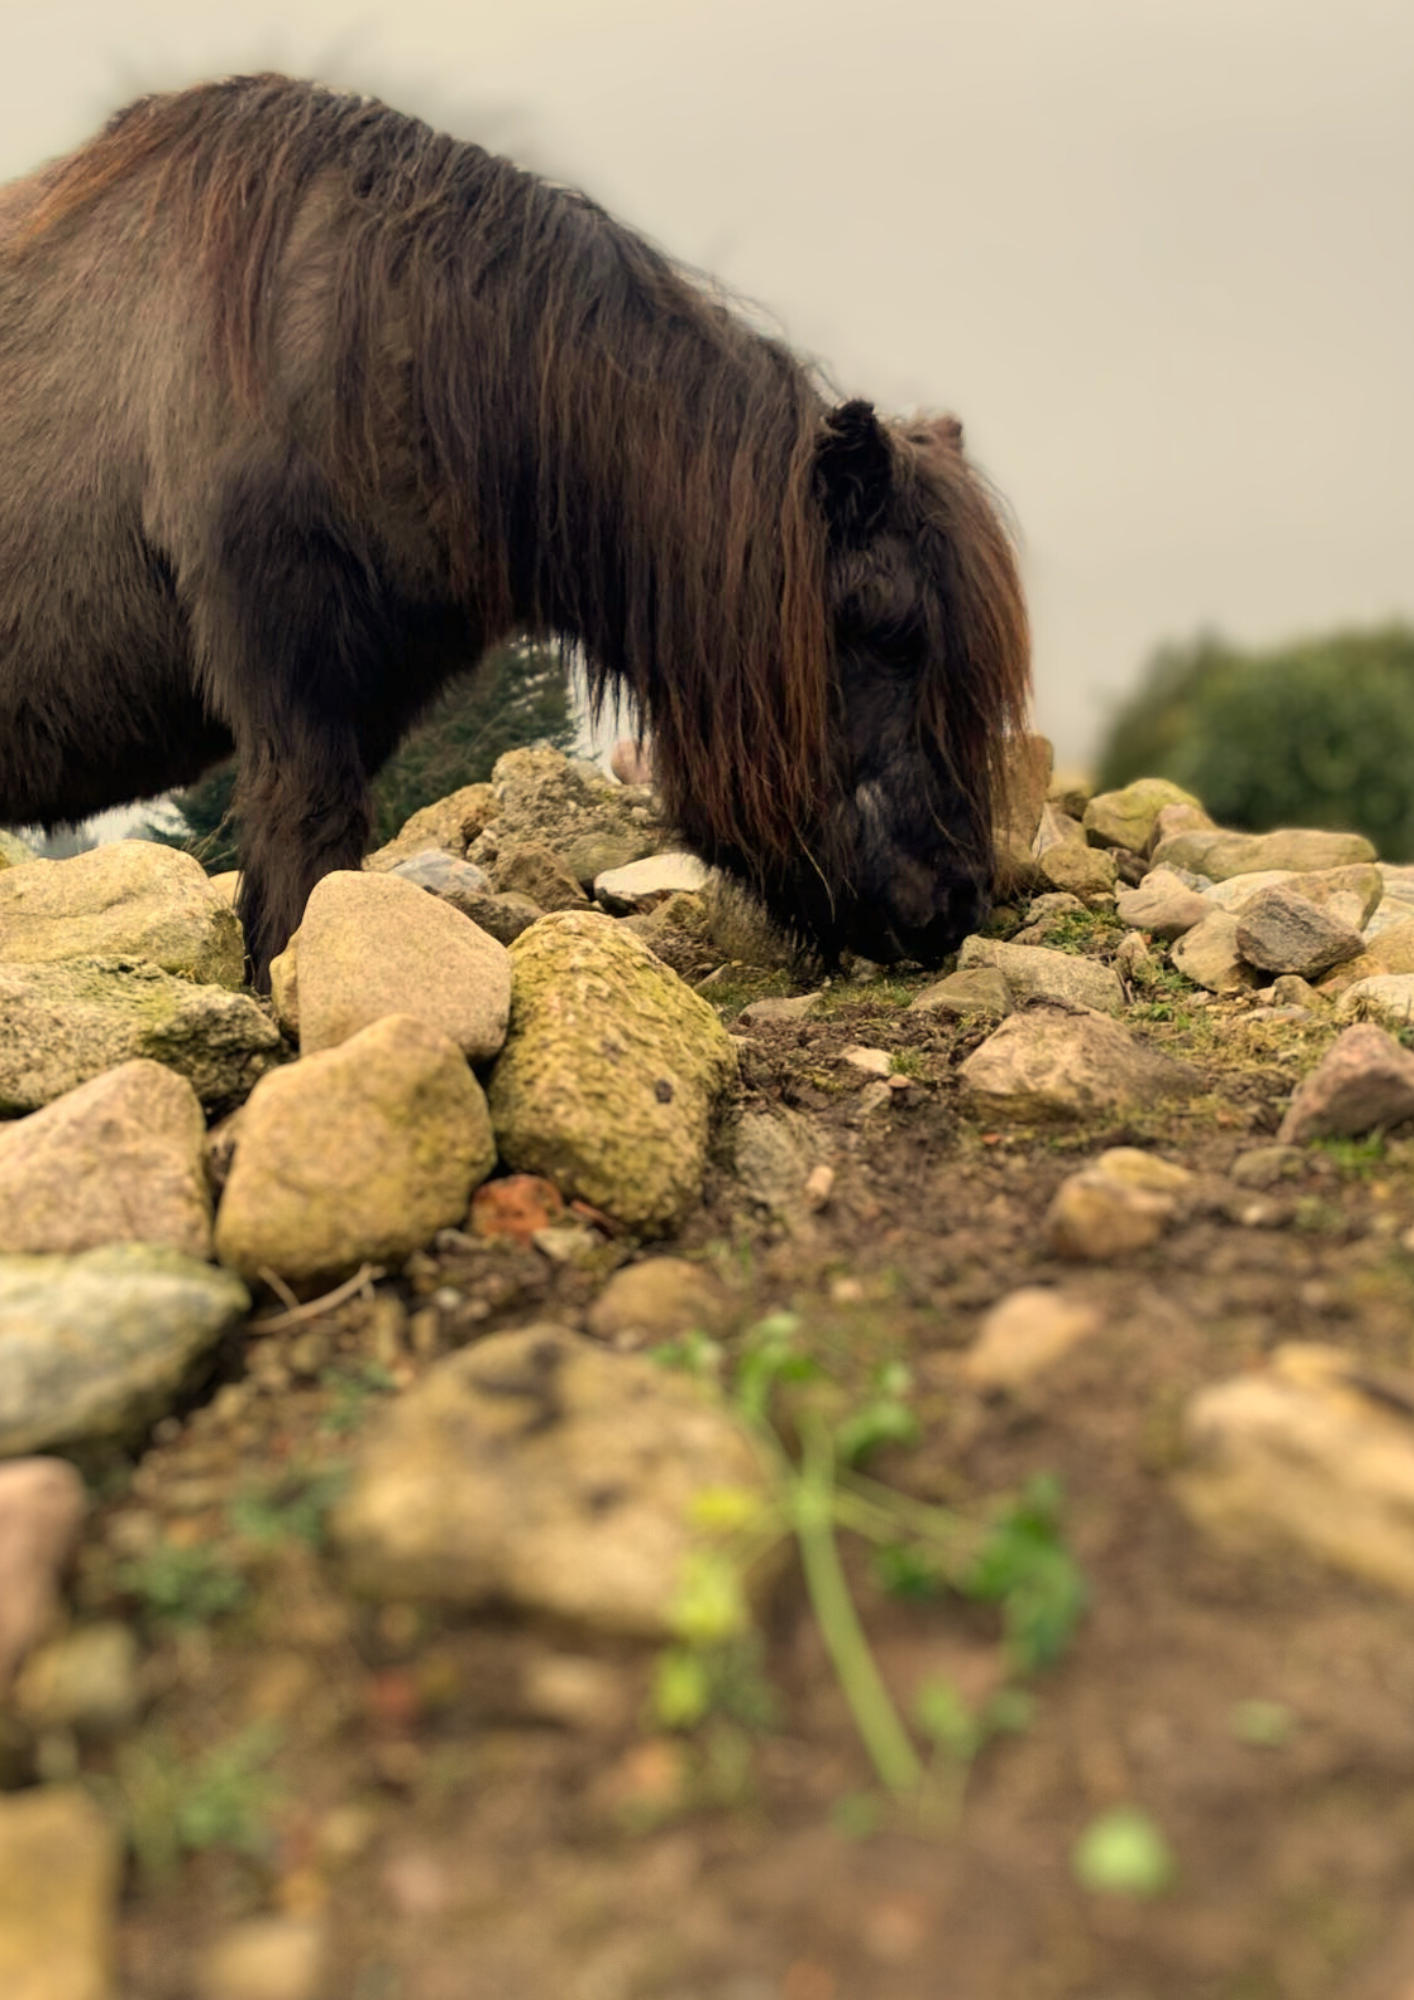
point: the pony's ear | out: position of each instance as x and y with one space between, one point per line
854 470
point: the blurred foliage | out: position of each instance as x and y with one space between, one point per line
519 694
1318 733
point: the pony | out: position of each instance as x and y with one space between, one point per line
304 405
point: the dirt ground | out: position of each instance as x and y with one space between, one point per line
487 1811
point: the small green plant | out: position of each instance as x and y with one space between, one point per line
295 1506
174 1805
1016 1560
1123 1853
350 1391
182 1586
1356 1157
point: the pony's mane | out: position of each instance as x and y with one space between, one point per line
607 450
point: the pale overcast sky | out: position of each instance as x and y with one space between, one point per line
1158 254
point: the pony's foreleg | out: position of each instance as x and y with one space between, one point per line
298 649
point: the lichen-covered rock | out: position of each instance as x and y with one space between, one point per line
372 945
60 1866
450 824
610 1072
678 930
1032 972
64 1023
361 1152
538 1470
94 1347
1127 818
119 1160
1048 1064
535 871
132 898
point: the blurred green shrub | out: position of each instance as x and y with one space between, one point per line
1318 733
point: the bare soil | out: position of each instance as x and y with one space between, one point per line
470 1837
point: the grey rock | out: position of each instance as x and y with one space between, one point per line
60 1861
1365 1081
1281 931
539 1470
460 883
981 990
589 822
1266 1166
1049 1064
775 1155
131 898
373 945
779 1007
94 1347
122 1159
42 1509
1034 973
609 1080
1209 955
62 1024
640 884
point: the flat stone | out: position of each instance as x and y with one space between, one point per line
1315 1451
449 824
373 945
360 1153
1386 996
1365 1081
130 898
60 1861
1281 931
873 1062
609 1080
982 990
1218 854
1163 904
63 1024
119 1160
1122 1202
1034 973
662 1298
1026 1333
95 1347
42 1509
539 1470
1126 818
1209 955
779 1007
1050 1064
623 891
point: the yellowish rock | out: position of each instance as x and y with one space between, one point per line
361 1152
1024 1334
132 898
59 1862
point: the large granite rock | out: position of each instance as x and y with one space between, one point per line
610 1073
132 898
375 944
119 1160
94 1347
62 1024
1034 973
360 1153
535 1469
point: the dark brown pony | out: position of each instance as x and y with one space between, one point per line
303 405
